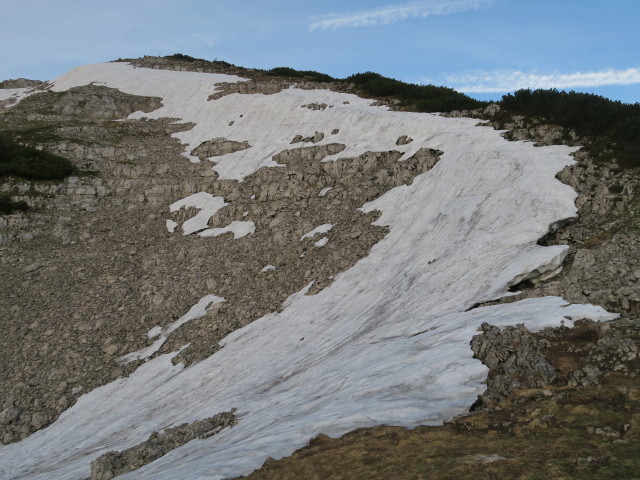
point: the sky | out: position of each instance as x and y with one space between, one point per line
484 48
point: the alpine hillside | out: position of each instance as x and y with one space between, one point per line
204 268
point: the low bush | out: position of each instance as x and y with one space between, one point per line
26 162
309 75
185 58
422 98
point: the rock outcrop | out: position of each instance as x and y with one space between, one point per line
112 464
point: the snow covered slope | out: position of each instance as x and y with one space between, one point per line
386 342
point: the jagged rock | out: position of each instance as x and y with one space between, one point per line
514 356
483 459
315 138
249 88
32 268
492 109
404 140
316 106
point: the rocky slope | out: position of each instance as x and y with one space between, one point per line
78 247
107 269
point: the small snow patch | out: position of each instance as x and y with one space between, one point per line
322 242
267 268
324 228
208 205
171 226
16 94
324 191
197 311
154 332
238 228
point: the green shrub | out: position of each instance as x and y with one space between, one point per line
423 98
27 162
185 58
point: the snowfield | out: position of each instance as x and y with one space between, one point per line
387 342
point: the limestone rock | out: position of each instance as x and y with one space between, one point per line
515 358
217 147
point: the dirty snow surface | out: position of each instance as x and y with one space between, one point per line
387 342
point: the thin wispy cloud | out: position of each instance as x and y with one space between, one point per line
510 80
395 13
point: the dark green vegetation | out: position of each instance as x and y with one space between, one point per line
27 162
421 98
612 127
188 58
309 75
9 206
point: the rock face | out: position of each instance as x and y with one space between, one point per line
522 362
315 138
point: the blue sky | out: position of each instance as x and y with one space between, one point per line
482 47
